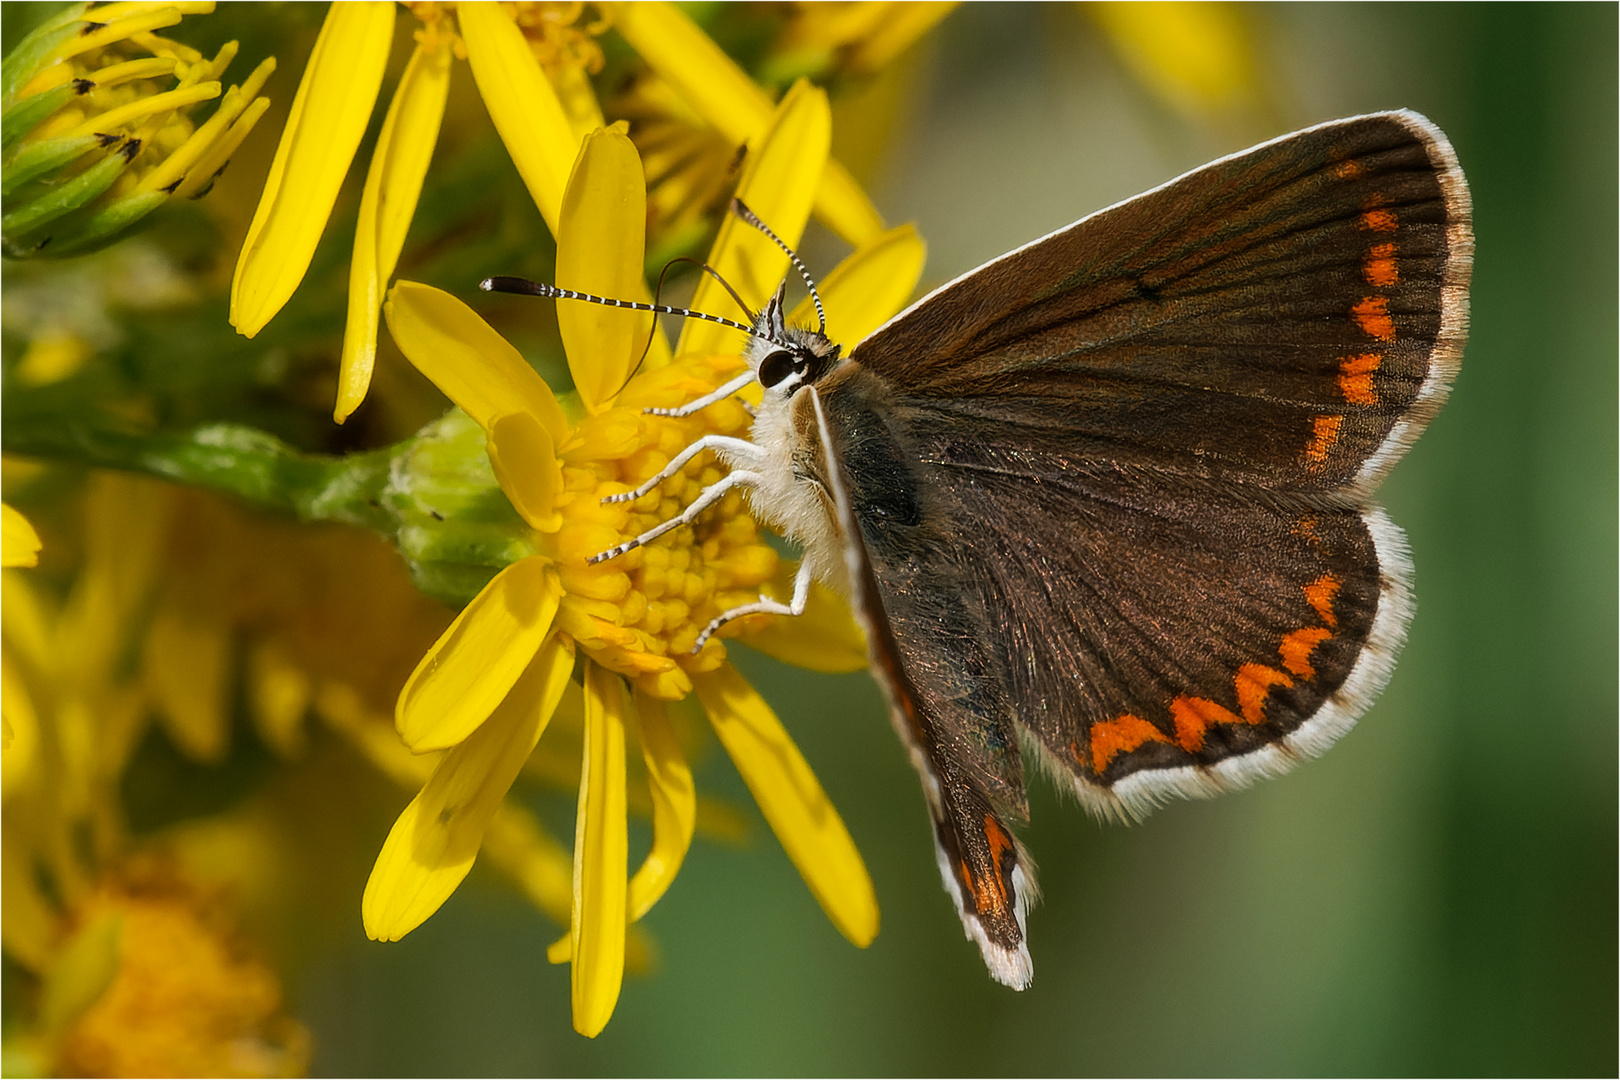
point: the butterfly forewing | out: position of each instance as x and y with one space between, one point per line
1273 317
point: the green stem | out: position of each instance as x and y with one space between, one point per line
230 458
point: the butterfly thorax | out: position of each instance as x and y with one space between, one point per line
792 492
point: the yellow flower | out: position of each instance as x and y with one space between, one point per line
850 38
540 117
1197 57
716 88
486 691
19 543
93 141
138 971
531 66
171 991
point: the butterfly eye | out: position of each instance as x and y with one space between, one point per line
776 367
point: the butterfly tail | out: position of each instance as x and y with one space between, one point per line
990 878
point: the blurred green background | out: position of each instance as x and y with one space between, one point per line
1437 895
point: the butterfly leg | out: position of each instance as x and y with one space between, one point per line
720 393
711 494
765 605
739 450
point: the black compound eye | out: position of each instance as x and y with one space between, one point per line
776 367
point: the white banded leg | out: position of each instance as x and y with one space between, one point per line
765 605
718 394
711 494
740 450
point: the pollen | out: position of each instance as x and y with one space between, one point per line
641 612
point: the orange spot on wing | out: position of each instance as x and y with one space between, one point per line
1372 315
1296 650
1379 268
1120 735
1324 433
1320 593
1254 682
1356 378
988 894
1347 170
1000 844
1193 717
1376 219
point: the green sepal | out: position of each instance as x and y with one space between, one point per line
45 157
453 523
25 60
107 223
62 199
26 115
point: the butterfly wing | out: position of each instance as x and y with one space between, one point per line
1109 494
1290 316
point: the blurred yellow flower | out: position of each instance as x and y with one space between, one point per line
716 88
93 142
853 38
19 543
486 692
1196 56
140 972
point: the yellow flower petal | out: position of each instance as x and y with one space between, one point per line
21 746
792 801
328 117
30 928
674 805
601 245
212 163
393 184
126 526
281 692
526 465
892 33
19 543
601 853
722 93
27 622
474 366
1197 57
778 184
866 289
180 163
188 667
522 103
824 638
433 844
478 660
573 85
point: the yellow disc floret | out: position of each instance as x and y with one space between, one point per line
641 613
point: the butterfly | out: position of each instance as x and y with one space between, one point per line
1104 505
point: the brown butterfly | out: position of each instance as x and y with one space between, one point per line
1105 503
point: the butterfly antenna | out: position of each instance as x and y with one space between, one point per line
659 291
525 287
740 208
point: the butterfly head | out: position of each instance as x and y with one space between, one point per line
786 358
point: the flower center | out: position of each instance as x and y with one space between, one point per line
641 613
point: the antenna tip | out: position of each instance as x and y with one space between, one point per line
488 284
